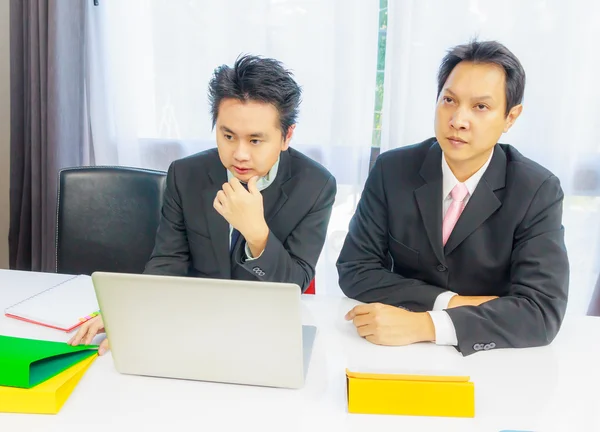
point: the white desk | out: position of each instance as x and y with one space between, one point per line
555 388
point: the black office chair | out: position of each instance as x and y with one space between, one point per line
107 218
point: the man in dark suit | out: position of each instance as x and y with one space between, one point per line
253 208
459 240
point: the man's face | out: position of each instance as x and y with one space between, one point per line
470 114
249 137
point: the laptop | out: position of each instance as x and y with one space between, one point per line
240 332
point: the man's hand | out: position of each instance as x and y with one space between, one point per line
388 325
459 300
244 211
86 333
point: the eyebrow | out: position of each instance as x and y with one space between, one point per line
477 98
252 135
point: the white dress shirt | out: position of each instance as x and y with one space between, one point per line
261 184
445 332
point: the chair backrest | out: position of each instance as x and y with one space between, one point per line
107 218
311 288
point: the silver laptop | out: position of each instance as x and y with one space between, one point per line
227 331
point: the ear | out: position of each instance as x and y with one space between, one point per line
288 137
512 116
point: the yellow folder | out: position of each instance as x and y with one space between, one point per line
47 397
419 395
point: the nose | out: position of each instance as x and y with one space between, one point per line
242 151
459 120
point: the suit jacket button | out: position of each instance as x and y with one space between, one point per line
442 268
258 271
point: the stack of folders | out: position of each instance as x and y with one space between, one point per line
37 377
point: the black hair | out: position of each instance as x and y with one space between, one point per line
490 52
254 78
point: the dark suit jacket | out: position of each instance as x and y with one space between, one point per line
193 239
508 242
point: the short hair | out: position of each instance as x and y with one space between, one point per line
490 52
254 78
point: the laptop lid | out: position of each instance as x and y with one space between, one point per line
242 332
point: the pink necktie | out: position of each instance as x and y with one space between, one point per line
458 194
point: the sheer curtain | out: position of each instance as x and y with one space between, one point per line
149 63
556 42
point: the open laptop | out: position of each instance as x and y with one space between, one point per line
227 331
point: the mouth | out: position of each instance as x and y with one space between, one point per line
240 170
456 141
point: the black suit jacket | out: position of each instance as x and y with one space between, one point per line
508 242
193 239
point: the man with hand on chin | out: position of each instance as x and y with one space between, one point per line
459 240
253 208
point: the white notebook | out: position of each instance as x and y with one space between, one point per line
64 306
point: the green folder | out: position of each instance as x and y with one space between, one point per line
25 363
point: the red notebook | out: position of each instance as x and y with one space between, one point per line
64 306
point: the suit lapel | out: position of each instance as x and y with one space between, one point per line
276 195
429 199
483 203
217 225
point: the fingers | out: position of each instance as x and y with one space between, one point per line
218 206
367 330
359 310
221 198
92 331
103 347
87 331
362 320
228 187
374 339
235 185
81 333
252 188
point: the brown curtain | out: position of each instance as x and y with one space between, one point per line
47 120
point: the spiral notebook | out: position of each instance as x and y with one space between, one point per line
64 306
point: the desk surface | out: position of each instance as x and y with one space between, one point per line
554 388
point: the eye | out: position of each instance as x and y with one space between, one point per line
255 141
228 137
481 107
447 99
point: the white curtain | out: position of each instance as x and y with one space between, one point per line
557 43
150 61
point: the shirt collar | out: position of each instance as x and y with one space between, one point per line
449 180
263 182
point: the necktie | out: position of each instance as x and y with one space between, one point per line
235 234
458 194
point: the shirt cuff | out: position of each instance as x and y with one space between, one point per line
445 333
442 301
248 254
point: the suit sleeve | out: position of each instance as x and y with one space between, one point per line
532 312
171 254
294 260
363 272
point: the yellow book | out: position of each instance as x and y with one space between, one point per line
47 397
418 395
